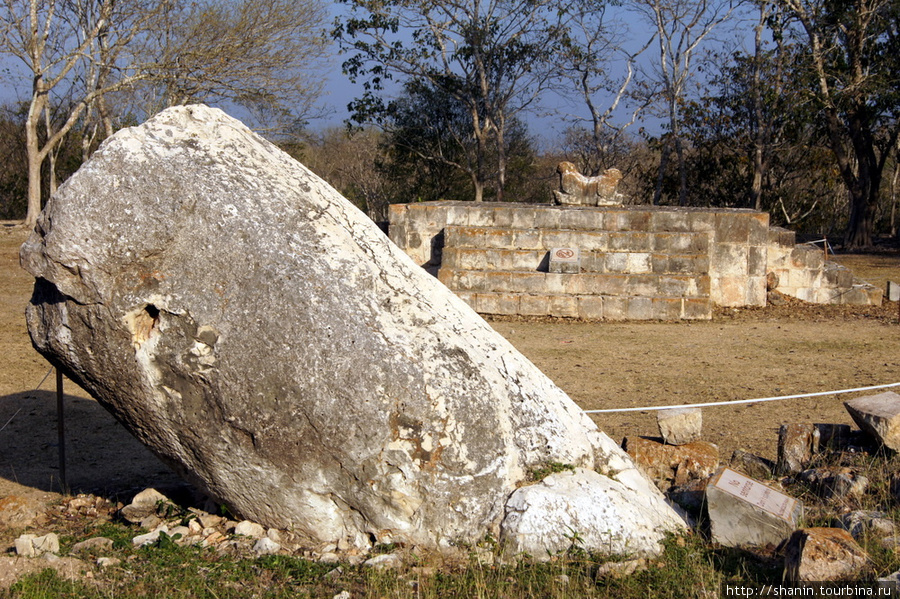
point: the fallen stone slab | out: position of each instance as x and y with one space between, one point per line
680 426
264 337
823 555
878 415
797 444
673 465
746 512
582 509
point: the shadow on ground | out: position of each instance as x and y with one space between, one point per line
101 456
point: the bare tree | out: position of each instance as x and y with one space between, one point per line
854 52
491 56
592 58
53 38
681 27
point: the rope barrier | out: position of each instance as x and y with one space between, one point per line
741 401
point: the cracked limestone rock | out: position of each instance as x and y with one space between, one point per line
262 336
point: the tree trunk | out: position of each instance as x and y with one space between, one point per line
34 154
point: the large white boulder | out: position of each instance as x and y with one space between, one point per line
261 335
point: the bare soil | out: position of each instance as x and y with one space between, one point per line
739 354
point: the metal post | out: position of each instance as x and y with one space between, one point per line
61 431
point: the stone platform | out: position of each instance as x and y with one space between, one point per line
612 263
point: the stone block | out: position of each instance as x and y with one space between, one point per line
616 262
593 241
630 241
752 465
878 415
559 239
615 308
527 282
639 308
893 291
481 217
594 262
756 291
730 259
680 426
458 214
638 262
807 257
643 285
669 220
729 291
797 444
534 305
564 306
677 286
672 465
860 522
565 260
732 227
556 283
607 284
659 263
522 217
497 238
528 239
745 512
497 303
757 261
573 218
821 555
696 308
590 307
546 218
759 229
779 236
667 308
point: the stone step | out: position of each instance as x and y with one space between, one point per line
638 285
622 262
589 307
685 242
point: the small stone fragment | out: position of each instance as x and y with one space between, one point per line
93 544
618 570
752 465
835 483
822 554
680 426
746 512
878 415
150 537
250 529
25 545
143 506
859 522
266 546
385 561
797 444
673 465
108 562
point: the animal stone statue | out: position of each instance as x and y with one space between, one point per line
579 190
262 336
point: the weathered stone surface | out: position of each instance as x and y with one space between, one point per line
878 415
19 511
746 512
893 291
680 426
144 506
860 522
264 337
565 260
797 444
835 482
29 545
672 465
822 554
586 509
752 465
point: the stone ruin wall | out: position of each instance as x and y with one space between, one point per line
631 262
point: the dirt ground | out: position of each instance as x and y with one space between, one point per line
740 354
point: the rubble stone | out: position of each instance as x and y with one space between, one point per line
673 465
822 554
835 483
680 426
797 444
878 415
860 522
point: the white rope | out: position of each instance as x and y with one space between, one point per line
741 401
